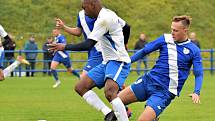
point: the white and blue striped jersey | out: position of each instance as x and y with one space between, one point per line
173 65
87 24
108 33
61 39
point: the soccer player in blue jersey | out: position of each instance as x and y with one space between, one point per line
6 72
114 69
85 25
165 80
60 57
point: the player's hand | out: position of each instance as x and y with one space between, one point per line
195 98
56 47
59 23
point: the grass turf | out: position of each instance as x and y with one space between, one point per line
32 99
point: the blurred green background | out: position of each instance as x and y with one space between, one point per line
24 17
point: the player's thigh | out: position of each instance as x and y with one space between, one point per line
97 74
127 96
117 71
54 64
148 114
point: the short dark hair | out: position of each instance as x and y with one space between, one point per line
185 20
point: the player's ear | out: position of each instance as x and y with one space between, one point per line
185 30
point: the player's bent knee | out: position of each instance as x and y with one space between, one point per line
1 78
81 88
78 88
110 93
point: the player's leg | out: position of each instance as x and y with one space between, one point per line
158 100
116 73
128 110
86 83
54 65
145 61
66 62
139 66
15 64
74 72
1 75
148 114
127 96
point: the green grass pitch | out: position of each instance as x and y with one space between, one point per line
33 99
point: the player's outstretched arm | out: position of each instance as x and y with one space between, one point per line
76 31
198 72
83 46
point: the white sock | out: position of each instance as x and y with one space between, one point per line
92 99
10 68
119 108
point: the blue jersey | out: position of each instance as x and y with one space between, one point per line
173 65
61 39
86 24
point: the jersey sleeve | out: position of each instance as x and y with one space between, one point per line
62 39
3 33
78 22
122 22
100 28
198 71
150 47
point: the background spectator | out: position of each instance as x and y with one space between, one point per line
194 40
139 45
47 56
31 45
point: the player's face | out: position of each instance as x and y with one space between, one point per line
55 32
179 32
88 8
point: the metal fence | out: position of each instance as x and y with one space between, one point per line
79 59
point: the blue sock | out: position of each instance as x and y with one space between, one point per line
76 73
54 72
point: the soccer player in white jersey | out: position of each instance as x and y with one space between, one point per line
166 79
6 72
113 71
85 25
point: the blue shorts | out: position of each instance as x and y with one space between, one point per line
156 96
66 61
116 70
91 63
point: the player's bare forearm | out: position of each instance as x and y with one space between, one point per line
74 31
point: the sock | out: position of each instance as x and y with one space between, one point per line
76 73
10 68
54 72
93 100
119 108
